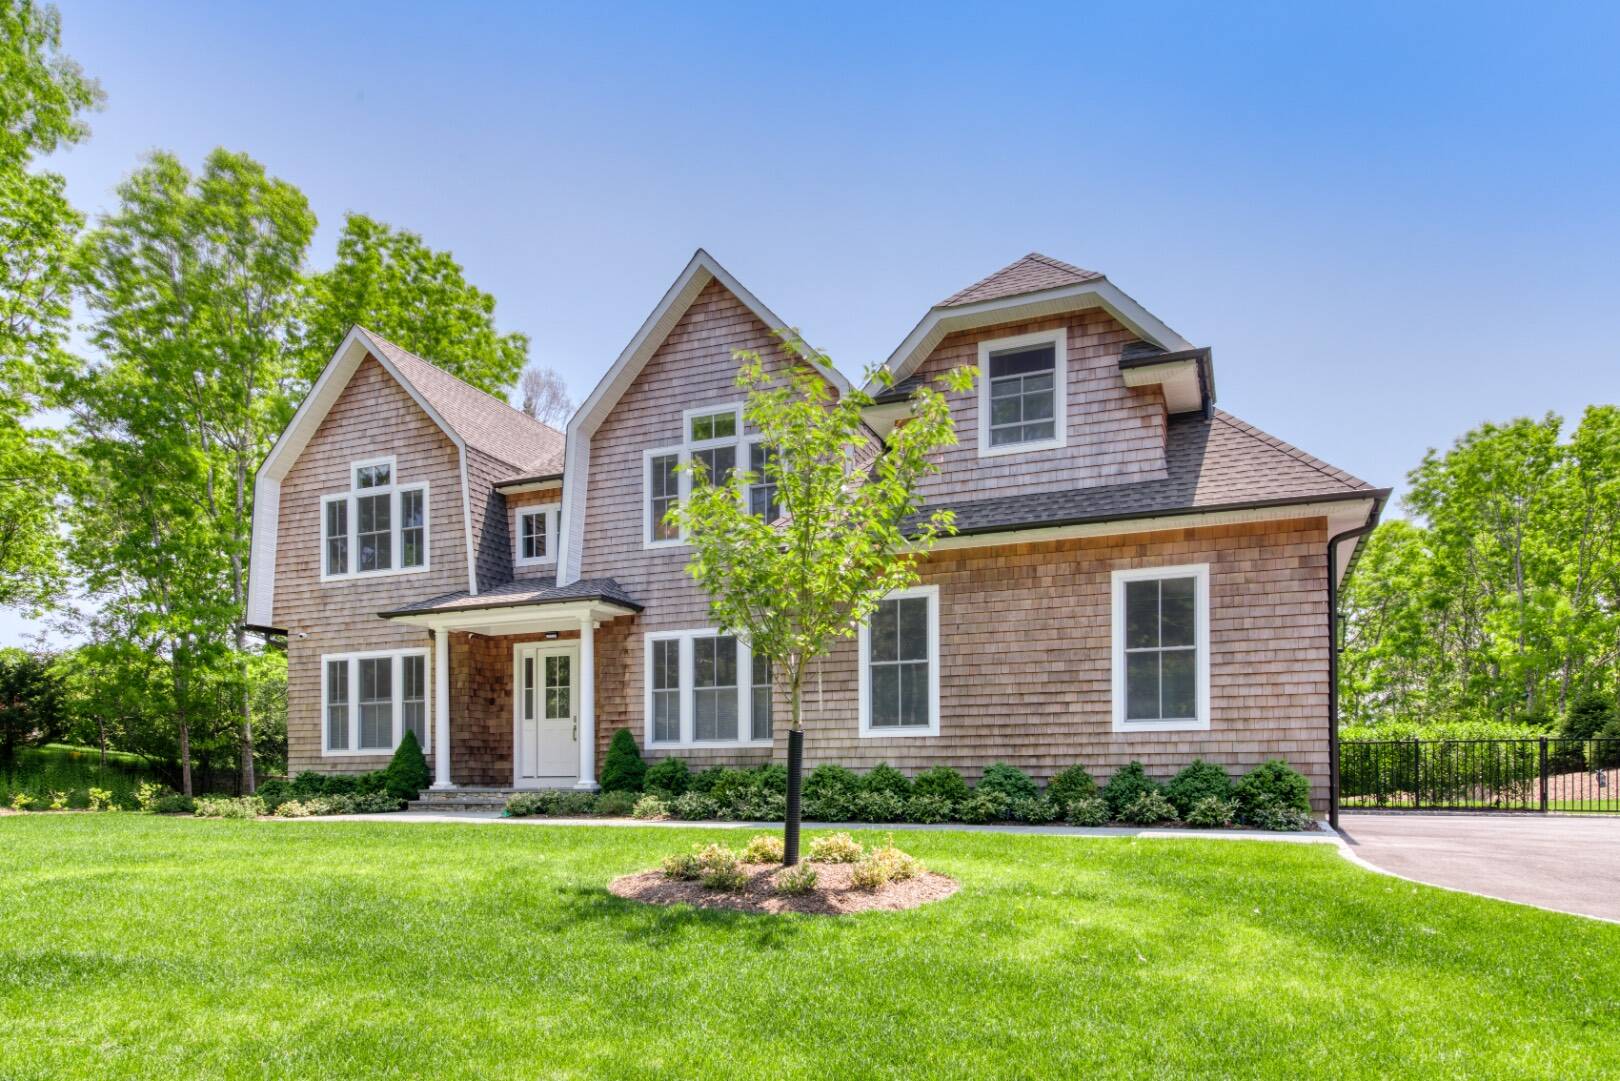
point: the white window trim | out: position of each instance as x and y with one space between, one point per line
1200 573
682 452
1059 340
396 522
353 750
688 688
550 513
865 681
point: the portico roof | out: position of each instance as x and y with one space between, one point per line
523 601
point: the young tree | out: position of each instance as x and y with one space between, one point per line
844 532
545 396
388 281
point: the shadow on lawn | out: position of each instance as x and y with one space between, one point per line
640 922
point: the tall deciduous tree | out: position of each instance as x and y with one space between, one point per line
845 534
388 281
545 396
193 283
43 96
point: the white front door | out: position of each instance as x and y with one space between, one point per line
545 696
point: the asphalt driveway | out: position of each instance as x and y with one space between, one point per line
1564 862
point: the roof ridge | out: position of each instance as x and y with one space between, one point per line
1014 283
451 375
1348 479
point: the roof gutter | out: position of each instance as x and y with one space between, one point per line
1333 647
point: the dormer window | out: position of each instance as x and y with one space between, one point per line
536 535
377 527
1022 393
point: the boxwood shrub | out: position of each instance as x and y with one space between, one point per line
1007 781
667 778
1071 784
1273 783
1124 786
885 778
622 767
1200 780
941 781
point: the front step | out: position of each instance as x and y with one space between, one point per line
466 798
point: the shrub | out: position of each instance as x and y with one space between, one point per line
407 773
941 781
684 866
369 784
622 767
1210 812
667 778
886 779
227 807
1587 717
1071 784
982 807
298 809
771 780
1270 813
720 869
570 803
617 804
828 780
1035 810
101 800
693 807
1200 780
21 801
835 848
764 848
1124 786
758 806
832 807
650 807
800 878
878 807
1149 808
148 795
1272 782
1005 780
928 809
902 865
1088 811
870 873
704 782
524 804
58 801
308 783
274 793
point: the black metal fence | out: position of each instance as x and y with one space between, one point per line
1545 775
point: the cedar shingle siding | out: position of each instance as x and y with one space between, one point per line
1025 651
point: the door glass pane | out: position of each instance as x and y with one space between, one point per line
559 687
528 688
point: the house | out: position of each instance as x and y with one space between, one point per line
1137 574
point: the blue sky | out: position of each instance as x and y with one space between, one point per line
1391 224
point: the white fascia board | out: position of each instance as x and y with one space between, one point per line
1070 298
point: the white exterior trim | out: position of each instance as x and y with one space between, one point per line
549 512
396 686
698 273
683 488
1199 572
1100 293
328 387
1058 339
394 492
865 678
687 696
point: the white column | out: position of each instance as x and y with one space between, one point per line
441 709
587 704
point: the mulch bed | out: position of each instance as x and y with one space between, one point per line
834 894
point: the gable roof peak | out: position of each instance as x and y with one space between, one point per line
1031 274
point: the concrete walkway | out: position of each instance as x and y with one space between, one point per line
1567 863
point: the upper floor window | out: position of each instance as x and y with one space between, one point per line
1022 392
536 535
705 687
1161 648
370 700
377 527
714 438
899 665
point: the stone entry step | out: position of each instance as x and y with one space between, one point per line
467 798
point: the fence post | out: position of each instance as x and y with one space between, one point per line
1543 770
1417 767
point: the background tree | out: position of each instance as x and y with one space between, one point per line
43 95
388 281
192 282
31 702
846 534
545 396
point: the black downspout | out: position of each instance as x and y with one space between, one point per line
1333 660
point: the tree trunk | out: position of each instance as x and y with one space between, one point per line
795 783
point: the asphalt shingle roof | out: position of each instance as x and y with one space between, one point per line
1215 463
1031 274
523 591
482 420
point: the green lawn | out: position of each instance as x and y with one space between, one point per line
133 947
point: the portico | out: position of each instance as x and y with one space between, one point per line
520 682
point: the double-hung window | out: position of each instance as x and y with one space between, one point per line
713 448
536 535
704 687
1022 392
1161 648
378 526
899 665
370 700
